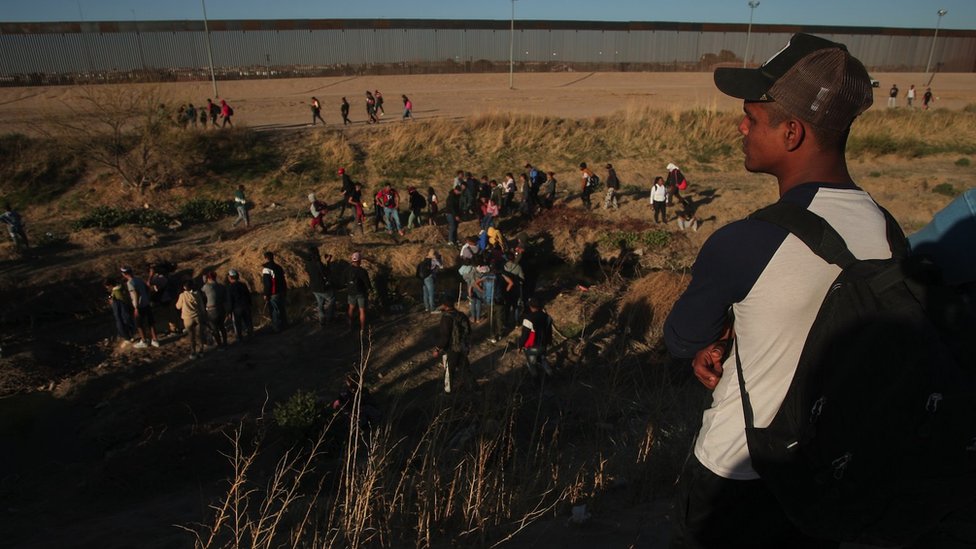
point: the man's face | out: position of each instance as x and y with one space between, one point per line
760 141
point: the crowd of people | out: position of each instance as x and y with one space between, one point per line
488 201
189 116
909 97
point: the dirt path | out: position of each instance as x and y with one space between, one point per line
284 103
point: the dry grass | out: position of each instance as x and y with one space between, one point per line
644 307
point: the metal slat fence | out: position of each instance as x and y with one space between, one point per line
39 53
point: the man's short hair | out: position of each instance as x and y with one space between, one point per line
269 256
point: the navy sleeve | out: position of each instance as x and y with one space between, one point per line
726 269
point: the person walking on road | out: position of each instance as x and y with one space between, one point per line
344 110
316 111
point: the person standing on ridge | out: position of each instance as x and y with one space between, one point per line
795 129
275 291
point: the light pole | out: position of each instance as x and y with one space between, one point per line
206 31
511 51
753 4
932 50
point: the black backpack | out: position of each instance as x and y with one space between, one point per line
460 333
593 182
424 268
875 441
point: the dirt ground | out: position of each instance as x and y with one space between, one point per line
285 103
110 447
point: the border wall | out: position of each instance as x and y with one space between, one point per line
133 51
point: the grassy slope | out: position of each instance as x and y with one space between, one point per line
611 431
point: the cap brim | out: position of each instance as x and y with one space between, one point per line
748 84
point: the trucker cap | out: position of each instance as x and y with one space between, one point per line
814 79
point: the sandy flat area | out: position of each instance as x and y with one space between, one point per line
284 102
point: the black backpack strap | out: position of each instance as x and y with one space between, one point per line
820 237
746 403
809 227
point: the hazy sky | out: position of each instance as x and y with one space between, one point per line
870 13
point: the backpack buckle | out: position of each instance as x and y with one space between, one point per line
840 465
932 405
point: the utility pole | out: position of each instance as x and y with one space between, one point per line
511 51
753 4
936 36
206 31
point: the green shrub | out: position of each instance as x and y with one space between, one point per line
963 162
201 209
655 238
104 217
874 174
947 189
299 413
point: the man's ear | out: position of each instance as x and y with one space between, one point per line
794 132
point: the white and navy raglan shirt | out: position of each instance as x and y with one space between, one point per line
774 284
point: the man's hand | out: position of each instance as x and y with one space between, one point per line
707 364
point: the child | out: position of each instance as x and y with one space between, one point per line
190 306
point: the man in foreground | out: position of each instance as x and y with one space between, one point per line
799 107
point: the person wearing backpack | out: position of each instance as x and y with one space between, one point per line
358 286
676 183
427 271
799 107
589 180
417 204
535 339
226 112
453 344
659 200
613 184
214 111
320 283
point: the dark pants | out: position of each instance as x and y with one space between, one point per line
279 315
215 326
585 196
452 227
123 320
455 365
243 325
661 209
716 512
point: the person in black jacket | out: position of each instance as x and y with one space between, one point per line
536 337
347 188
275 288
453 344
239 305
358 286
417 203
452 212
320 284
